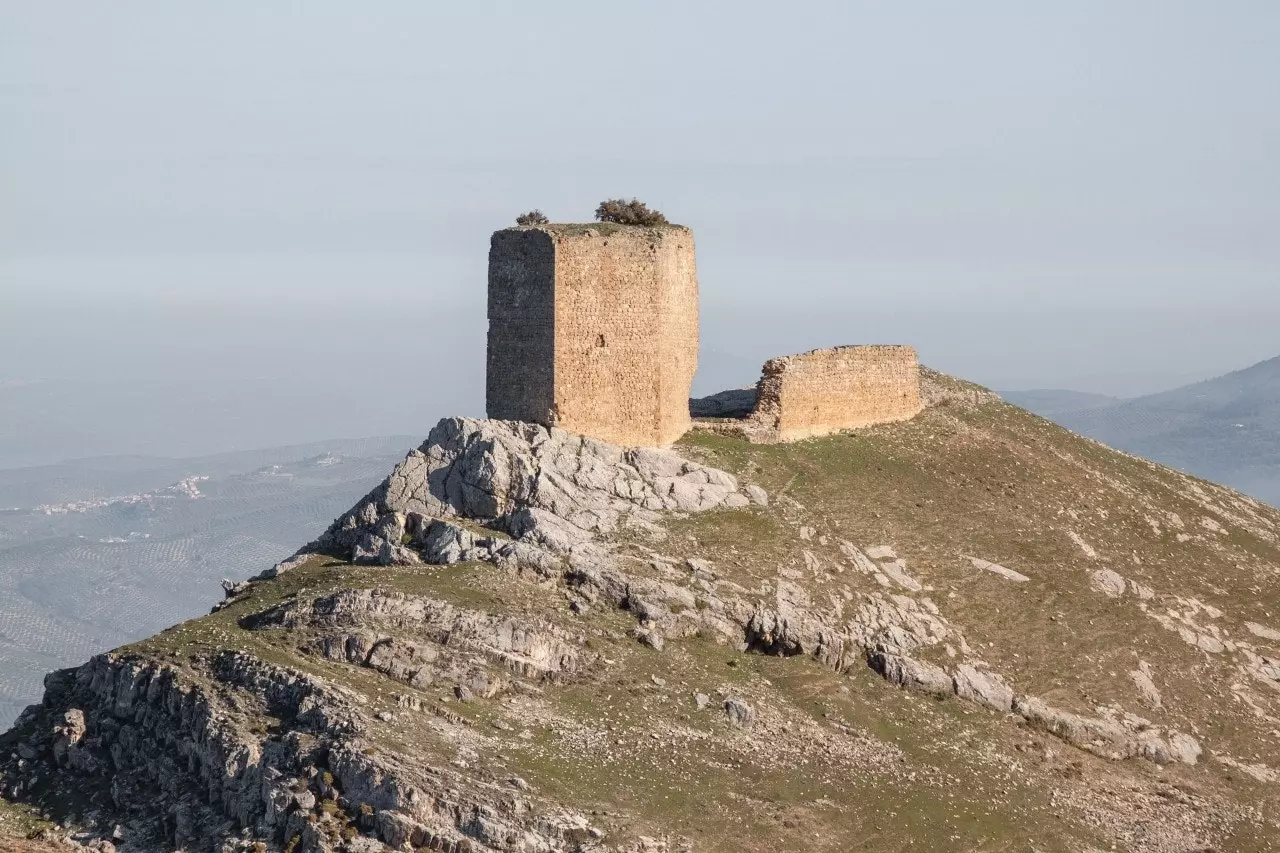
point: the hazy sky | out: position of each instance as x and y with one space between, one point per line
282 209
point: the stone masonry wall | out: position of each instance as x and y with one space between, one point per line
828 390
622 305
520 372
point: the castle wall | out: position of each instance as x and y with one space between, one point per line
520 369
677 333
828 390
625 330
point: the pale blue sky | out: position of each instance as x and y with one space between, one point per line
296 197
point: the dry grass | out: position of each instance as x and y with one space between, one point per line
846 762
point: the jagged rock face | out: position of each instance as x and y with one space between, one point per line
543 486
145 733
140 733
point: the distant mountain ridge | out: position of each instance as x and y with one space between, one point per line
1050 401
1225 429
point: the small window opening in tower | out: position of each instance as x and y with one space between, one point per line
599 341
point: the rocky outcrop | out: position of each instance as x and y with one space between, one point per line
184 757
494 490
983 688
365 626
912 674
1127 736
144 732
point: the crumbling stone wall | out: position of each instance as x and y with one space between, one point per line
828 390
594 329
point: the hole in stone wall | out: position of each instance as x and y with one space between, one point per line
599 340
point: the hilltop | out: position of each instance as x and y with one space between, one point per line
972 630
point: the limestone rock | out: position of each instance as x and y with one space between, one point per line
546 530
1144 593
983 688
1085 548
896 570
1263 631
651 638
1184 748
285 565
544 486
67 736
1146 686
1008 574
1111 738
1103 737
232 588
896 624
1108 583
530 648
912 674
738 712
443 542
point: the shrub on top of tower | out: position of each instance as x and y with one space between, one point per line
634 212
532 217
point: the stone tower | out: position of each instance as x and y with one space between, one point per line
594 328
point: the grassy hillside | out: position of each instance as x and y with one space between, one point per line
1103 584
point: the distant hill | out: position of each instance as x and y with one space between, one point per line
1048 402
1225 429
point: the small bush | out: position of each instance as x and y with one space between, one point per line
533 217
634 212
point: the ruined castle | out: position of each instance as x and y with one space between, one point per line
594 329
